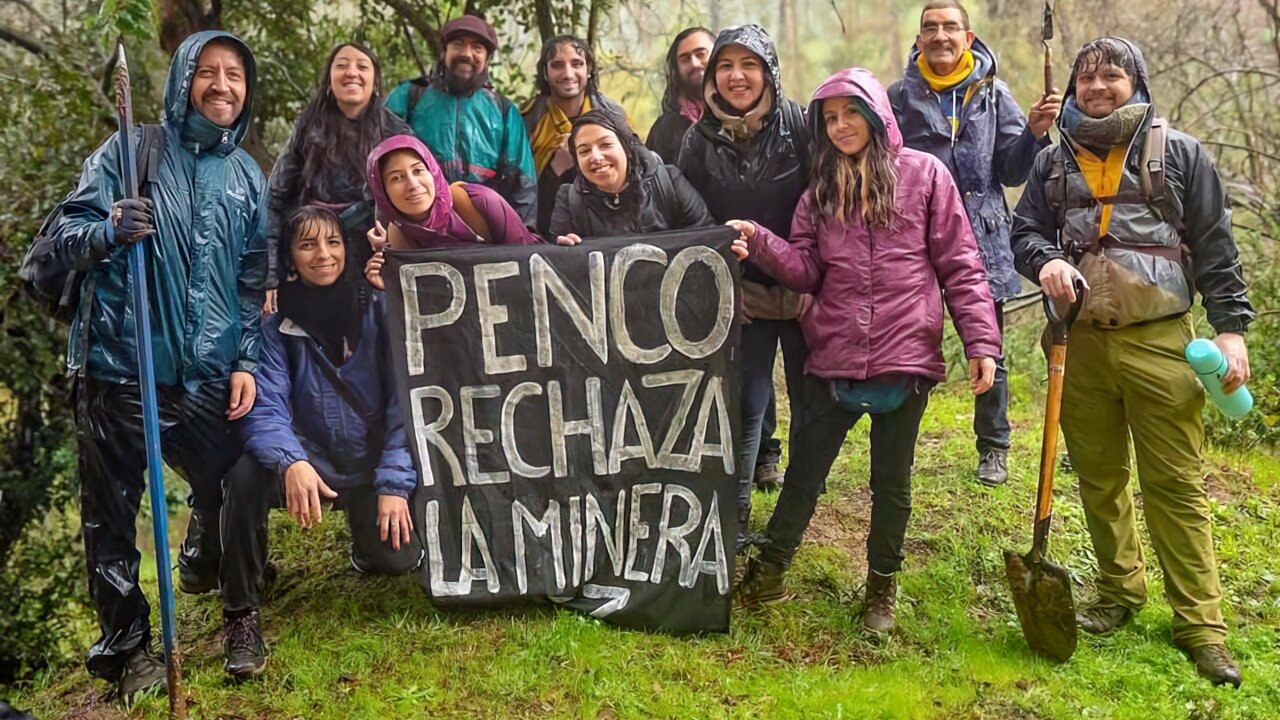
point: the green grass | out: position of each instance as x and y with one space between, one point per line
345 646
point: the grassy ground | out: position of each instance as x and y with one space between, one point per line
350 647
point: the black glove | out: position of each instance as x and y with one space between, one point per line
131 220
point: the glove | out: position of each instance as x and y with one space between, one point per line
131 220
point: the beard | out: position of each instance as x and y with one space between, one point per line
691 85
461 78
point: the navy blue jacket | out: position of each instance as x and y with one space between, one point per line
993 149
300 415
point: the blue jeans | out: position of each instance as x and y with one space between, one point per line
760 339
990 409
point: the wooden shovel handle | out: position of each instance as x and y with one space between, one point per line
1049 447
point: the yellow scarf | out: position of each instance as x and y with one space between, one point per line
550 132
939 83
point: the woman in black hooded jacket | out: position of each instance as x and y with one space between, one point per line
323 162
748 156
621 187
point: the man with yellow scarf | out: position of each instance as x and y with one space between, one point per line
950 104
566 83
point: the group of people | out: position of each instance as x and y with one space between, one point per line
859 218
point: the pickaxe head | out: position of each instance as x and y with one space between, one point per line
1046 26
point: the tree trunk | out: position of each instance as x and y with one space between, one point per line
546 21
180 18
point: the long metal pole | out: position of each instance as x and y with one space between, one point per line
147 386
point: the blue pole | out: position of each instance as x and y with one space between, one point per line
147 388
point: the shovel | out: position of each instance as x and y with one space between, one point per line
1042 590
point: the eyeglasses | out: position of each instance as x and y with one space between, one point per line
950 28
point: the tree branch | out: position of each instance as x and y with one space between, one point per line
420 22
26 5
23 42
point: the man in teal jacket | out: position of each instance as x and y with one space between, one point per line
206 268
476 134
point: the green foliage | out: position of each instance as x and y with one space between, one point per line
126 19
62 115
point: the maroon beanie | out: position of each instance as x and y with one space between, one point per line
471 25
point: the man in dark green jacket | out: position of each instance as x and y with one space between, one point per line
206 268
1122 204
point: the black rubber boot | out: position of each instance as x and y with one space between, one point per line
200 555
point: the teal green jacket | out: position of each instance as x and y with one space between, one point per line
206 263
478 138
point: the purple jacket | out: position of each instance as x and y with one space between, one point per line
878 292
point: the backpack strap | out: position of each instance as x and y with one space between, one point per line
417 87
1155 187
1055 189
467 210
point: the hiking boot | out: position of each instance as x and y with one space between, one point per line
767 477
882 596
1103 619
993 468
1214 663
762 584
143 671
246 651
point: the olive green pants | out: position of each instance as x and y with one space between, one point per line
1134 382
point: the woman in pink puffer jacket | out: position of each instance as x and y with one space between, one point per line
881 240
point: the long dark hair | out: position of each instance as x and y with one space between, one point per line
549 49
632 196
329 139
671 96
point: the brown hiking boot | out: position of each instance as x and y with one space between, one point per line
1103 619
762 584
767 477
882 596
1214 663
143 671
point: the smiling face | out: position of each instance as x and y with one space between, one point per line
691 62
847 129
1101 88
409 184
351 80
220 84
567 72
943 39
739 77
601 159
466 56
318 252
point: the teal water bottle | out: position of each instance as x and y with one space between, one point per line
1210 364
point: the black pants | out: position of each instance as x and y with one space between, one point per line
816 443
197 442
991 408
252 491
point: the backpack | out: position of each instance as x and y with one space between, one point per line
1154 189
55 286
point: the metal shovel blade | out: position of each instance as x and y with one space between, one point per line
1042 595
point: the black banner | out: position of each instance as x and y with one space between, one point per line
573 412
